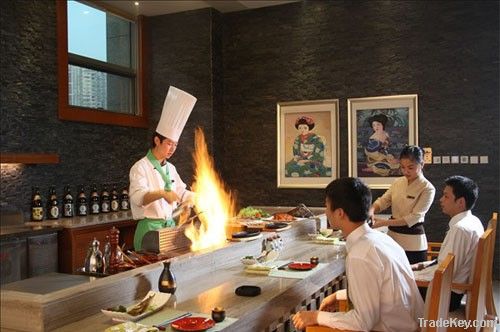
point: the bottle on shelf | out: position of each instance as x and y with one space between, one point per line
115 201
167 283
105 200
81 203
52 205
68 203
95 206
36 205
124 200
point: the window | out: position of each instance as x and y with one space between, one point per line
101 65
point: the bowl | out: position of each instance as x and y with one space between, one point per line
249 261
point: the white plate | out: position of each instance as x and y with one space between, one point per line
130 327
157 302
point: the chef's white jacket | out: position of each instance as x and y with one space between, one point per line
145 178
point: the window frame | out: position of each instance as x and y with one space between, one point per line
83 114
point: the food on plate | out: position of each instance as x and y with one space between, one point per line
140 307
283 217
301 211
251 212
118 308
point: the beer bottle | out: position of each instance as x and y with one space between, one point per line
36 205
124 204
81 203
95 207
52 205
68 203
105 200
115 203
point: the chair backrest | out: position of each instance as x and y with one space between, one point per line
477 296
490 302
437 302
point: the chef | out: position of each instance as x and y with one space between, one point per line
156 188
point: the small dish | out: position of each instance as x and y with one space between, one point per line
193 324
249 260
276 225
298 266
326 232
244 234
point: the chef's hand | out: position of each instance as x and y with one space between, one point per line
379 222
302 319
170 196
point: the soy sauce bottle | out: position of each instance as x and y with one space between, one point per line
68 203
95 206
36 205
115 201
81 203
105 200
124 204
167 283
52 205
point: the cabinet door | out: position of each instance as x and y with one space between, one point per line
13 260
42 254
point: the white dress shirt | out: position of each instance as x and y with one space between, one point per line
145 178
380 285
409 202
461 240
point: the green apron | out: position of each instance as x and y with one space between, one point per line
145 225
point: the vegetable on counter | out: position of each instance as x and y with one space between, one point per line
251 212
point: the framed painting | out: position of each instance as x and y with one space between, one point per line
379 128
307 143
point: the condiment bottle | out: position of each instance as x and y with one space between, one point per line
167 283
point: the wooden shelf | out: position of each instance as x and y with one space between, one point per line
29 158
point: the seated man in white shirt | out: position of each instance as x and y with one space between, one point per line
380 282
459 196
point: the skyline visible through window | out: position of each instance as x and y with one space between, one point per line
86 31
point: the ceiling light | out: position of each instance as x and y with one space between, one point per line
136 3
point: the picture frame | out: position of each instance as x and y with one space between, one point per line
308 138
379 128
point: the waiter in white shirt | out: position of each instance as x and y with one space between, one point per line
156 188
380 282
459 197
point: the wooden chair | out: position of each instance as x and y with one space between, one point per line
433 252
476 291
438 293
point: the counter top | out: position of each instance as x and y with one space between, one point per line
205 279
39 227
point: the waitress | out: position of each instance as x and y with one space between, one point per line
410 197
155 186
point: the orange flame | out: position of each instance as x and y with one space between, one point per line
215 204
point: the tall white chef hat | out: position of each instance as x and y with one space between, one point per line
176 110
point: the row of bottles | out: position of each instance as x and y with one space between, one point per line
82 206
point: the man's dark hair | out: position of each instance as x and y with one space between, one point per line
161 137
463 187
352 195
